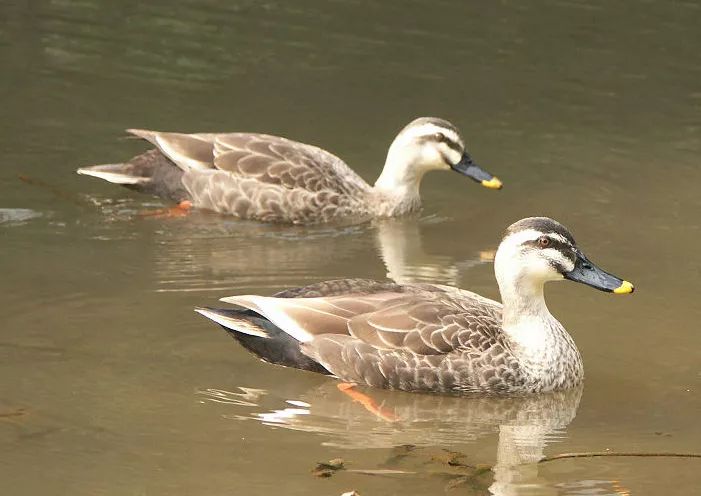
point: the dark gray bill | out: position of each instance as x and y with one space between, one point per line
587 273
467 167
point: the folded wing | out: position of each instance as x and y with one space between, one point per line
267 159
187 151
420 319
286 163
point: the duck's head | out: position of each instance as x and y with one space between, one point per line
536 250
426 144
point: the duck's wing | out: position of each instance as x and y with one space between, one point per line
278 161
443 341
341 287
304 316
429 323
353 315
267 159
187 151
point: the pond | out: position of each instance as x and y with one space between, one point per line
110 384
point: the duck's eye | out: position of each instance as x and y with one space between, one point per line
543 241
439 137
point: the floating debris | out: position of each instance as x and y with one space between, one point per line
399 453
327 469
444 464
452 458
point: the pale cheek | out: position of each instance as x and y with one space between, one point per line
452 155
543 271
432 158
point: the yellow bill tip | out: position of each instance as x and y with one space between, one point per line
624 288
493 183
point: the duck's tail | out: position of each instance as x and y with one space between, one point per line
113 173
262 338
150 172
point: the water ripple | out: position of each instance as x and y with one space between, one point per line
17 216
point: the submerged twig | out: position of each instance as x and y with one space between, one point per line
327 469
594 454
17 412
379 471
57 192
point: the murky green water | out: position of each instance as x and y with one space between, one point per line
109 384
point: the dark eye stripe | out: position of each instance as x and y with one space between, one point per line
451 144
564 248
543 225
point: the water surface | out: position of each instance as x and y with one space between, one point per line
110 384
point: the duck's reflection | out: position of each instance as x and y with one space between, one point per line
400 245
209 253
525 425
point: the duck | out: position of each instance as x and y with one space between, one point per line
431 338
274 179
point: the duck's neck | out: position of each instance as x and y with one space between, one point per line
542 345
523 301
526 319
399 182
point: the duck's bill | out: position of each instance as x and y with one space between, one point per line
587 273
467 167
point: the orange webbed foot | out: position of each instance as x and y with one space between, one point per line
180 210
365 400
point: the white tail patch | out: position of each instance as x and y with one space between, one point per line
274 310
239 325
104 172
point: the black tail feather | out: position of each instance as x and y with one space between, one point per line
151 172
278 348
